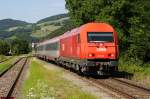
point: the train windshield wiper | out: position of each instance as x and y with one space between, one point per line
97 41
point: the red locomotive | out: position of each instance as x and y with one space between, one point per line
89 49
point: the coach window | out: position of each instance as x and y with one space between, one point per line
78 38
48 47
52 46
55 46
40 48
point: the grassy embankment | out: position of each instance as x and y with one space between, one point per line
2 57
49 84
140 73
6 64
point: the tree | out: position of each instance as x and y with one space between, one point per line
19 46
4 48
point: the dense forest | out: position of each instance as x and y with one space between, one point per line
131 19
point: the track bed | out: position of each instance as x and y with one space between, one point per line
10 77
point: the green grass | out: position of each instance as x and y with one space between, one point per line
140 72
49 84
6 64
2 57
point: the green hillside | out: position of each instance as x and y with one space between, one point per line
53 18
47 26
7 23
11 29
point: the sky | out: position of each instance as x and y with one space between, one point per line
31 10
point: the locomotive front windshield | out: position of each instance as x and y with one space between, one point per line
100 37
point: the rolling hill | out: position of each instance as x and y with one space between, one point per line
11 29
53 18
7 23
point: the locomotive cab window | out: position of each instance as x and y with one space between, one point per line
100 37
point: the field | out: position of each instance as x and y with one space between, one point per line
43 83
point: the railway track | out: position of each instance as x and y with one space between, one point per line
131 84
9 79
2 73
124 88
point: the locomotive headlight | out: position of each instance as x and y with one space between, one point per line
111 55
91 54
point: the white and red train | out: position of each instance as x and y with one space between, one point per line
90 49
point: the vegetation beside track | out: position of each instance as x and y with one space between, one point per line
7 64
43 83
139 72
2 57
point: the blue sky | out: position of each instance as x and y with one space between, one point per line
31 10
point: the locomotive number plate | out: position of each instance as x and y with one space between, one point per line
101 49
